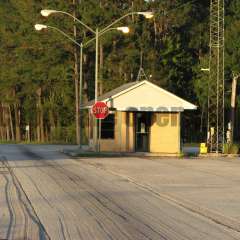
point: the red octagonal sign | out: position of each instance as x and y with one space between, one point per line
100 110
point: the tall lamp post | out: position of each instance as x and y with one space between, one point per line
40 27
97 33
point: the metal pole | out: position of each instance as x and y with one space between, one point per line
96 92
96 66
233 105
80 94
99 134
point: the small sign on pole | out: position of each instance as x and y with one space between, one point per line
100 110
28 132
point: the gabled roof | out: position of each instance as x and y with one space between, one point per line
143 96
112 93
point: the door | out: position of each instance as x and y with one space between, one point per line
143 123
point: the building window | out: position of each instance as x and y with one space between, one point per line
108 127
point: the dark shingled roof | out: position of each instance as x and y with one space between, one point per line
111 93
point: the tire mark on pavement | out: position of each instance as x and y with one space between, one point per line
63 171
213 216
76 180
12 220
70 175
25 208
164 197
62 228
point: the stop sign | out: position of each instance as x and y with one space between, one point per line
100 110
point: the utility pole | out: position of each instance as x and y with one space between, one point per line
76 78
233 104
216 78
96 121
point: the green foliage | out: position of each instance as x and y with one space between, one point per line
174 46
64 135
231 148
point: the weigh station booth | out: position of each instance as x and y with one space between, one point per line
143 117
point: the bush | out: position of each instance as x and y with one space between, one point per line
231 148
234 149
64 135
226 148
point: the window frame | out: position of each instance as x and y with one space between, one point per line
109 132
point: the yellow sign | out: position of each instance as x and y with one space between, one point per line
203 148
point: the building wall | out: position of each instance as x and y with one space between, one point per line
124 134
112 145
165 133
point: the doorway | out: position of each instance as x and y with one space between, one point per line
142 131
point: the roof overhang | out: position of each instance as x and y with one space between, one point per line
144 97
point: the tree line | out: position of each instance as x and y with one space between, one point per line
39 77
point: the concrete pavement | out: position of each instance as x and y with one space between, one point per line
206 186
121 198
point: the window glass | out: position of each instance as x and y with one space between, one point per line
107 127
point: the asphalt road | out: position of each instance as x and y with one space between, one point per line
46 195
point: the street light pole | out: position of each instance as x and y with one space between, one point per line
40 27
95 137
80 94
98 33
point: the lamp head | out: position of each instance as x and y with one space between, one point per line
40 27
205 69
124 29
47 12
147 15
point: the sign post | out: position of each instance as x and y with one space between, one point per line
28 132
100 111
